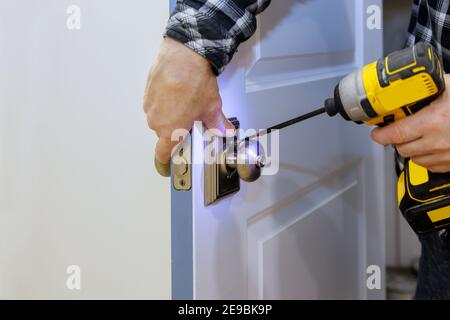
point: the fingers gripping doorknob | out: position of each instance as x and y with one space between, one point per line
247 158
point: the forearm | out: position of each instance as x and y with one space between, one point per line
214 29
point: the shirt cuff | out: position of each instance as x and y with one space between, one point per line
207 36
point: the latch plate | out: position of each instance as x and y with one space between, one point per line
182 167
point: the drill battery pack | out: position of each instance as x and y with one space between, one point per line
424 198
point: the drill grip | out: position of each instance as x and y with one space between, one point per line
424 198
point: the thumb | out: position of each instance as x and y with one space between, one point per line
402 131
164 149
219 122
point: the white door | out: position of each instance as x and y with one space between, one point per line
312 230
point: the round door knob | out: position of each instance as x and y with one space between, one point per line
162 168
248 161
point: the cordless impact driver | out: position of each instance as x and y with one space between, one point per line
385 91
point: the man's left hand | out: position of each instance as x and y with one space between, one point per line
424 136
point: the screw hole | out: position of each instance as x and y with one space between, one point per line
182 183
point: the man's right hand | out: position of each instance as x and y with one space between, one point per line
181 89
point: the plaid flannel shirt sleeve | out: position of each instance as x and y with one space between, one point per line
214 28
430 22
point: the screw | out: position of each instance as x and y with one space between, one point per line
261 161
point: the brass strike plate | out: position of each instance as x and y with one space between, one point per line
182 167
217 183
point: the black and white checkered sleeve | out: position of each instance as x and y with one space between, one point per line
430 22
214 28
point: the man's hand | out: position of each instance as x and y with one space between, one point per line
181 89
425 136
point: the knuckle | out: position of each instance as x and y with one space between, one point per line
440 115
401 151
173 81
435 122
424 124
146 105
151 124
151 120
399 133
216 105
214 108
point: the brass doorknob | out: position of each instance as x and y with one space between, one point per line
247 160
162 168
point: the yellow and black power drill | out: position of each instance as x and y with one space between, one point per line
385 91
382 92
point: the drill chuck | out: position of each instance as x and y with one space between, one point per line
334 106
330 107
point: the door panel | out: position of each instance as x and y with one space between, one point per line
296 39
311 230
292 244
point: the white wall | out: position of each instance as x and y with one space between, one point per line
77 184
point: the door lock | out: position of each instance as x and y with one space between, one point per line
246 159
234 161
